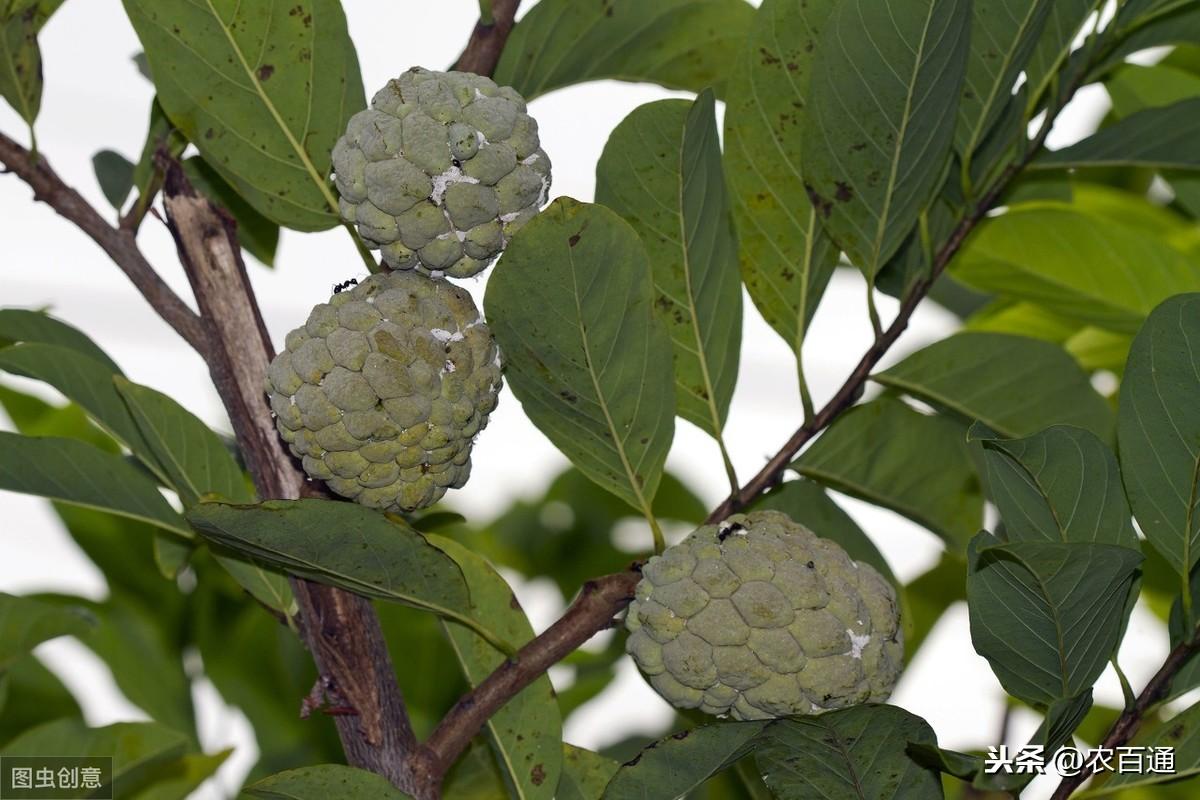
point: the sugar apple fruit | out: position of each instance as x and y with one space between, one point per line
384 388
441 171
758 617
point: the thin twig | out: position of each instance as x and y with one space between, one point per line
1131 718
487 39
120 245
599 601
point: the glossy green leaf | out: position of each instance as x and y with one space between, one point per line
137 748
26 623
673 766
1133 87
1158 429
1013 384
1004 34
256 233
917 465
1048 616
114 173
585 774
323 782
880 120
85 381
23 325
20 56
661 171
82 474
1076 265
1059 485
1156 137
345 545
786 257
570 304
858 752
263 89
526 734
194 458
680 44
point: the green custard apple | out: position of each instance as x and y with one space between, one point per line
441 171
758 618
382 391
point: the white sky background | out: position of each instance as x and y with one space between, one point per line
95 99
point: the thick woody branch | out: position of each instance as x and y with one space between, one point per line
340 629
120 244
487 40
599 601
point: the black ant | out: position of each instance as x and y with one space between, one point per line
735 528
344 285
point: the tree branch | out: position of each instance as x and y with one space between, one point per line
1131 718
599 601
487 40
340 629
120 245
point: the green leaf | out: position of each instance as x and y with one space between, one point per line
786 257
1013 384
114 172
1076 265
323 782
673 766
1048 616
137 748
87 382
22 325
585 774
858 752
881 117
526 734
1155 137
26 623
917 465
928 596
345 545
35 695
570 304
661 171
1158 429
1062 25
146 662
176 780
194 458
1059 485
1182 26
1004 34
680 44
82 474
20 56
256 233
263 89
1180 734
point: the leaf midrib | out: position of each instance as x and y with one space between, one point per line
301 153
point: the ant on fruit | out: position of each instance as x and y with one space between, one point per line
735 528
344 285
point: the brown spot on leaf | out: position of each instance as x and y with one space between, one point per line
574 240
537 774
680 735
823 206
265 72
844 193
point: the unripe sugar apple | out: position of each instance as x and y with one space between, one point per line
384 388
758 617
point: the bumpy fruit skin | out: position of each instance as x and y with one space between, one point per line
384 388
758 618
441 171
